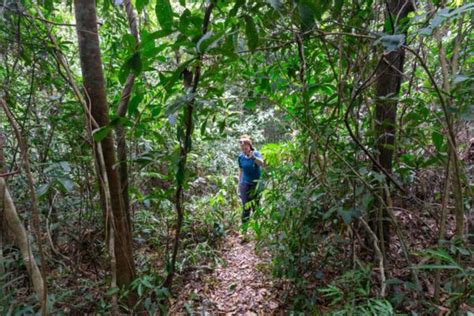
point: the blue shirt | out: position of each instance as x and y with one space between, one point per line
250 170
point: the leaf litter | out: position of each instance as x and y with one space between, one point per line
240 284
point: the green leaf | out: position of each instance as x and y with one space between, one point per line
66 184
391 42
100 133
461 78
438 140
346 215
135 63
43 190
155 35
164 13
307 16
130 42
328 214
251 33
236 7
178 103
250 104
112 291
338 6
222 125
203 127
123 73
468 113
133 105
140 5
228 48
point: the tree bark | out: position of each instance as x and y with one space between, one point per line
15 225
389 78
94 83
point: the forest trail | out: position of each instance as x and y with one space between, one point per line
239 285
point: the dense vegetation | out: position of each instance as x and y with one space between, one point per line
119 137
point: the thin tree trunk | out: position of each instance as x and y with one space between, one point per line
442 223
122 151
389 78
450 122
190 83
94 83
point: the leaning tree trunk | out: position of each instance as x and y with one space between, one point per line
12 223
94 83
389 78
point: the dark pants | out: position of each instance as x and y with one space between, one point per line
248 195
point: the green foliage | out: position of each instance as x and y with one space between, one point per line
317 182
351 294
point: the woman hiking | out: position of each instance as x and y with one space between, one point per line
250 162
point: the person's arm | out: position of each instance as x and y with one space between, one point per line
258 159
240 169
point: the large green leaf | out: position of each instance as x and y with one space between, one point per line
164 13
391 42
251 32
306 16
140 5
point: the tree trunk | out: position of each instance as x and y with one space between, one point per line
122 150
389 78
21 238
94 83
11 222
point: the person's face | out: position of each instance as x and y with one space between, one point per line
245 147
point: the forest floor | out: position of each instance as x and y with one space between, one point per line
240 284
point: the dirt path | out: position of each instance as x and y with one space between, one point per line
238 286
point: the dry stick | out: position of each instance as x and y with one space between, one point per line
459 203
48 233
442 224
34 202
383 285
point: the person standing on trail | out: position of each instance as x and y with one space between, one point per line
250 162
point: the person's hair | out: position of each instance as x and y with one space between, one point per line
247 140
